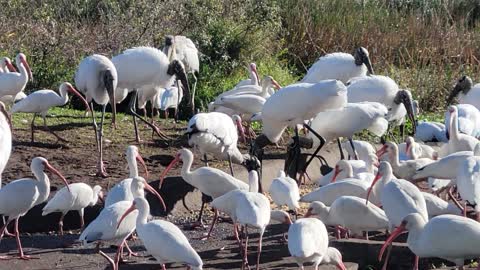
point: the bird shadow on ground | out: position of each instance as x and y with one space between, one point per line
40 145
67 126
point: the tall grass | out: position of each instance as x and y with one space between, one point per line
425 45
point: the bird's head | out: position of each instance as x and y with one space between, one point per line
464 84
405 97
361 56
8 64
176 68
22 59
42 164
183 154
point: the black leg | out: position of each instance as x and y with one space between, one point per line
230 165
95 127
101 168
32 127
353 148
322 142
402 131
205 159
342 156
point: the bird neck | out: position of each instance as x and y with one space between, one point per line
143 215
22 69
253 181
94 198
394 159
414 237
253 78
348 171
186 167
44 182
132 166
453 126
63 95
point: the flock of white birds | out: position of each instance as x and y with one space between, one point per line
340 96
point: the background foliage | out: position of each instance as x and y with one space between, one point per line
425 45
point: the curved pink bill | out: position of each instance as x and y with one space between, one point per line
341 266
381 151
169 167
308 214
154 192
140 159
254 69
129 210
337 171
76 93
25 63
54 171
375 180
276 84
10 66
399 230
241 130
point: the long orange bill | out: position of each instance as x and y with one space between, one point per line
140 159
276 84
341 266
399 230
24 62
169 167
377 177
129 210
76 93
335 174
382 151
54 171
10 67
241 130
308 214
154 192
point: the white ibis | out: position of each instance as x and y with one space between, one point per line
144 66
246 104
210 181
19 196
96 77
253 79
284 191
105 229
294 104
329 193
261 90
413 150
404 169
467 92
123 190
246 208
468 117
147 94
6 65
350 213
183 49
5 144
162 239
12 99
77 198
398 198
427 131
216 134
437 206
363 149
459 241
346 121
170 98
384 90
468 184
308 242
456 141
340 66
13 83
345 169
40 101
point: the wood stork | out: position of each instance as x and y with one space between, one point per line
467 92
40 101
456 140
105 229
21 195
5 145
340 66
96 77
468 118
253 79
350 213
80 196
162 239
210 181
284 191
308 242
123 190
246 208
183 49
459 241
384 90
144 66
346 121
398 198
13 83
404 169
216 134
291 106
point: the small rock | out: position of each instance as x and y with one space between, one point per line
24 121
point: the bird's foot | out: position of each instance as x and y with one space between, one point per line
4 258
27 257
194 226
101 174
225 219
9 234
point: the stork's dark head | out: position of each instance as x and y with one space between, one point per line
362 57
169 40
176 68
464 84
405 97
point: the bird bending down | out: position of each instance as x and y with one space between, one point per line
19 196
96 77
162 239
80 196
39 102
308 242
284 191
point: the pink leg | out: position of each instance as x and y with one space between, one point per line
60 224
19 244
112 263
385 264
415 267
259 250
7 233
130 252
163 267
2 231
215 217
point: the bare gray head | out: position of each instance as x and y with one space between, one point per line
405 97
362 57
464 84
169 39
